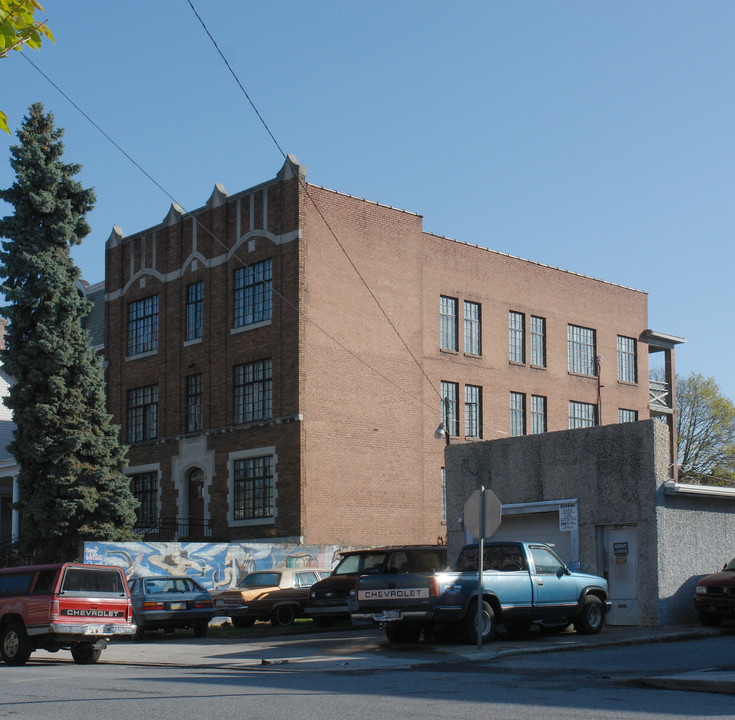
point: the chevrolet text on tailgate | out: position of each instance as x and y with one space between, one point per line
67 606
522 583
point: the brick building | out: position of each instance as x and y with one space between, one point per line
264 393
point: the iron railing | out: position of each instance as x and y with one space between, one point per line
172 529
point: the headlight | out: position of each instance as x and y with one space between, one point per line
701 589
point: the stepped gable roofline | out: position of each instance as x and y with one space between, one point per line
534 262
116 236
291 168
218 197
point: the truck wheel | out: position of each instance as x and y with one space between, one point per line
283 615
85 653
709 619
200 629
243 622
470 622
397 632
592 617
15 645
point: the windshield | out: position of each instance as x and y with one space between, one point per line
730 565
360 563
262 579
93 581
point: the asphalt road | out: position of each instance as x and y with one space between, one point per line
355 674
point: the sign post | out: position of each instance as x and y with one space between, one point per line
482 516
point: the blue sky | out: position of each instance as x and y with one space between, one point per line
595 137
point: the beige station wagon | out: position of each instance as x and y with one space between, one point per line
278 595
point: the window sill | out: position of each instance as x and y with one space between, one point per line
250 523
538 367
516 363
252 326
628 383
475 356
448 351
193 341
582 375
139 356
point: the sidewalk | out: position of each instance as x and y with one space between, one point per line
366 649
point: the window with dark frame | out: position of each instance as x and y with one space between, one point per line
627 364
144 487
194 310
253 391
582 415
538 341
448 323
517 414
472 328
253 293
581 350
143 413
444 494
143 326
625 416
194 403
538 414
253 488
449 391
472 411
516 337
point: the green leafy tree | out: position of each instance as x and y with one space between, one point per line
706 431
71 486
19 28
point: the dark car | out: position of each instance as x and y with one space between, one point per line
167 602
278 595
333 598
714 599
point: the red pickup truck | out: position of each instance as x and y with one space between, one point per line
67 606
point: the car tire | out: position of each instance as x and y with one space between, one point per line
709 619
85 653
400 632
470 622
15 645
283 615
200 629
592 618
243 622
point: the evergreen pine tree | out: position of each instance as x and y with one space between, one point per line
71 486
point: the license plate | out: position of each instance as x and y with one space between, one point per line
178 606
392 614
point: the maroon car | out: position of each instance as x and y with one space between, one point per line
714 599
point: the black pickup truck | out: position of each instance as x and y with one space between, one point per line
333 598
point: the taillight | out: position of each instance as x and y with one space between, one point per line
53 610
204 603
152 606
129 610
433 587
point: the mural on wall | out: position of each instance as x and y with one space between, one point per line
216 566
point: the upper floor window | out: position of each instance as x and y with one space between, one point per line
194 310
449 407
253 488
193 403
516 337
444 494
582 415
538 414
448 323
627 370
627 415
581 349
472 411
253 391
143 325
472 327
143 413
538 341
253 293
517 413
144 487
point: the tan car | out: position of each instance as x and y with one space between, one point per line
278 595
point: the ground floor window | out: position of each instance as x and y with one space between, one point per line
144 487
253 488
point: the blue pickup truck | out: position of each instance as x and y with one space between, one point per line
523 583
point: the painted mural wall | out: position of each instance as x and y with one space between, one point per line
216 566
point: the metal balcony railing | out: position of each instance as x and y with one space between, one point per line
171 529
659 397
